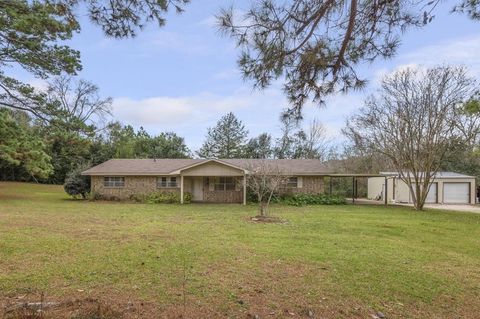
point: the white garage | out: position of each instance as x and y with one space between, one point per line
447 188
432 195
456 193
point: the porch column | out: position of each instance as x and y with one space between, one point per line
181 189
244 189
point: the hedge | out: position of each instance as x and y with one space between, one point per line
312 199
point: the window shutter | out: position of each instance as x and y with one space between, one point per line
211 184
299 182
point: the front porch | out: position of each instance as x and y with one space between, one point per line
214 181
214 189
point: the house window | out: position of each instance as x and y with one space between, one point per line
114 181
292 182
224 183
165 181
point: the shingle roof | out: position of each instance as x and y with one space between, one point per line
167 166
304 166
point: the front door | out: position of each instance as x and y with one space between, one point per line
197 194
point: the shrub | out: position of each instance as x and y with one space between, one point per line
167 198
139 198
77 184
95 196
252 197
312 199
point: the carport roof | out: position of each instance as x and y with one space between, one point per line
437 175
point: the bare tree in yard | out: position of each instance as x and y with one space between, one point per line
313 142
415 120
265 179
77 101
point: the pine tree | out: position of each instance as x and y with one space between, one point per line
225 140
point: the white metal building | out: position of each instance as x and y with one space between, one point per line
447 188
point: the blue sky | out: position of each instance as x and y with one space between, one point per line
183 77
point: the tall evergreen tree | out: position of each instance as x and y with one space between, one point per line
20 147
284 144
259 147
225 140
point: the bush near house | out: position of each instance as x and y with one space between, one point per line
312 199
76 184
161 198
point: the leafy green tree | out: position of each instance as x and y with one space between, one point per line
76 184
259 147
169 145
124 142
225 140
20 147
33 35
67 149
316 46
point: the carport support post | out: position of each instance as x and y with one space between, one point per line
244 189
353 190
386 191
181 189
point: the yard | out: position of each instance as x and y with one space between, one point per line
112 259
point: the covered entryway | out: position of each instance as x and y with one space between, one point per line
213 181
456 193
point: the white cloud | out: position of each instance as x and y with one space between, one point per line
190 116
458 52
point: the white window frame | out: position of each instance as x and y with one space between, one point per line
167 182
114 181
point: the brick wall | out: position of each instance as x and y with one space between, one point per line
310 185
227 196
133 185
147 184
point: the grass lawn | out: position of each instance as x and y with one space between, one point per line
208 261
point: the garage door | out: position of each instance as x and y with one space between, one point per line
456 193
432 194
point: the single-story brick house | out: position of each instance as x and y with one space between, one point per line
208 180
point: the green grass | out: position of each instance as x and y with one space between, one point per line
339 261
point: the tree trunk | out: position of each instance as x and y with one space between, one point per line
419 204
263 209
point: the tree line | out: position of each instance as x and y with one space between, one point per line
81 133
313 47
